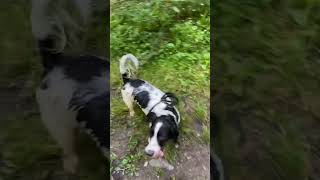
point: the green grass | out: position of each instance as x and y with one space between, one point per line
17 56
266 88
163 36
128 164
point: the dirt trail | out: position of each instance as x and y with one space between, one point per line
192 161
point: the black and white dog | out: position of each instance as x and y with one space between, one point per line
74 90
163 116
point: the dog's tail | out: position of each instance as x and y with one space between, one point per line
45 33
124 70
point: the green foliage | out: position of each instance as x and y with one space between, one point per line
128 164
206 134
29 152
171 39
165 40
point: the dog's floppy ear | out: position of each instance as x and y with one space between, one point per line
151 117
174 133
170 98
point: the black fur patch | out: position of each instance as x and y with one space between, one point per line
125 78
95 116
49 57
168 131
169 123
142 98
151 117
84 68
136 82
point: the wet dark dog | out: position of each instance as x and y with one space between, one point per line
74 90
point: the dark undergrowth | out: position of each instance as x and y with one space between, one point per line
266 97
26 149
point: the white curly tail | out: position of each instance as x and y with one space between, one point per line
124 71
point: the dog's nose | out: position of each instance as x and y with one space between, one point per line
149 152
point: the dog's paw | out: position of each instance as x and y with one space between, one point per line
70 164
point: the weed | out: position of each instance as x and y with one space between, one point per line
128 165
159 172
206 134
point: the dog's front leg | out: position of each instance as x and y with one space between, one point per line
61 125
70 158
63 132
65 137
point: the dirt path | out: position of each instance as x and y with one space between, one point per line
192 161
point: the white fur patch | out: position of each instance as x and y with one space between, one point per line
153 141
124 59
54 101
60 121
155 96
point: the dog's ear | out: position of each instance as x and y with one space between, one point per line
174 133
151 117
173 98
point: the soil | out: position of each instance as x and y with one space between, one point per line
192 161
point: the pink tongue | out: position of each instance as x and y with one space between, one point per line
159 154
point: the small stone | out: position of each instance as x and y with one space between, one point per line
161 163
145 164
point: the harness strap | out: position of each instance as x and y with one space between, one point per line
168 98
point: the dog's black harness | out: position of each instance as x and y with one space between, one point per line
168 98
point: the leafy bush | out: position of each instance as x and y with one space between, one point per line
266 87
174 36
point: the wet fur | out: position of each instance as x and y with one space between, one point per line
74 90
